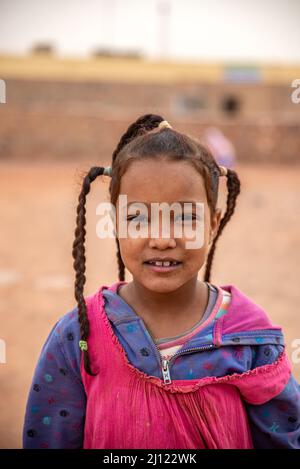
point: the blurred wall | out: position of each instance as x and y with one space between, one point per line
71 118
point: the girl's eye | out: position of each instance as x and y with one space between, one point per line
137 218
180 218
187 217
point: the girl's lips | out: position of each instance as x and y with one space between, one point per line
156 268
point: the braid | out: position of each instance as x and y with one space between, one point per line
78 253
233 187
142 125
120 262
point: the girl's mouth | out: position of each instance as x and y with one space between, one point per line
158 266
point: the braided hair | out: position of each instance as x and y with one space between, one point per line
144 139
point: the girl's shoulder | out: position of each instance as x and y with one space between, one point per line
245 312
67 326
66 332
64 339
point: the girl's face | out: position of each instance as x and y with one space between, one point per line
164 181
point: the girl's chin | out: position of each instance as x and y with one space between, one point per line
161 285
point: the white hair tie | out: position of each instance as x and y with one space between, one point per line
223 170
164 124
107 171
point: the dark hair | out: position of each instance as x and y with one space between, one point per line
143 139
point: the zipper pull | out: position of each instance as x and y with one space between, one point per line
166 371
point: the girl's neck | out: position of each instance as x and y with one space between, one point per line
174 311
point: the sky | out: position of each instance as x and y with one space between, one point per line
251 31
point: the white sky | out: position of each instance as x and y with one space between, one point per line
211 30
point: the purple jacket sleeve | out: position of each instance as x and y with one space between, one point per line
55 410
276 423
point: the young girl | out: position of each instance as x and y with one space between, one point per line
166 360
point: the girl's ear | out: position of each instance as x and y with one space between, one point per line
215 223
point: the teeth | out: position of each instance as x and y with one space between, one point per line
163 263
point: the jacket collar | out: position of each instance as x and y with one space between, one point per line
244 321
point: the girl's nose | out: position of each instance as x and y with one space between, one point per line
162 243
163 235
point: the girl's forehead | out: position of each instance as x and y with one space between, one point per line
150 179
160 164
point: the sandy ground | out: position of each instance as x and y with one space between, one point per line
258 252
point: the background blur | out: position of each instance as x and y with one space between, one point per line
73 76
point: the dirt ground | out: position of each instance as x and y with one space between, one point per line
258 252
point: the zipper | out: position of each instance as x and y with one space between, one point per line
166 371
165 368
164 364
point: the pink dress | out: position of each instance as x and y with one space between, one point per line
128 409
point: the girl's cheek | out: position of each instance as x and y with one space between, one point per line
129 247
